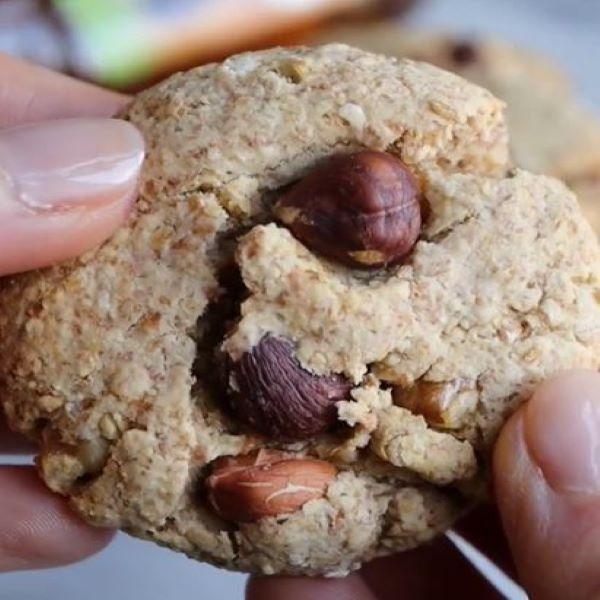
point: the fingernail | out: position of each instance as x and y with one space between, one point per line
69 163
562 432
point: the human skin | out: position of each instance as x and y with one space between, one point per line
64 187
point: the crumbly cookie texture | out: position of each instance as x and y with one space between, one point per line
551 133
109 360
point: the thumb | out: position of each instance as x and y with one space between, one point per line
64 187
547 481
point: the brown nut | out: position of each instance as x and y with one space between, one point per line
277 397
266 483
443 404
361 209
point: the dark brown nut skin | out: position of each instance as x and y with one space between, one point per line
273 394
360 209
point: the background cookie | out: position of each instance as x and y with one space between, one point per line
109 361
588 192
550 132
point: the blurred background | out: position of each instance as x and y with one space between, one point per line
550 81
128 43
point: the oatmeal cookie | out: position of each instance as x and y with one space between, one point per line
334 290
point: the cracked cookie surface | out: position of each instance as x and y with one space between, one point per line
109 361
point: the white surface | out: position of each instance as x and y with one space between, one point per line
130 569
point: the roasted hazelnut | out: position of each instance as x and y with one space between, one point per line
272 393
361 209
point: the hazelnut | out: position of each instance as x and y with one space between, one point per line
361 209
443 405
279 398
266 483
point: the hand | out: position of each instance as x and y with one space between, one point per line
547 487
64 187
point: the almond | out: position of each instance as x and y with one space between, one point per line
266 483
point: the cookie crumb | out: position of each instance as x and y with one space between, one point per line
108 427
50 403
354 115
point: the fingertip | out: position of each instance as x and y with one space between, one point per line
546 464
65 187
37 528
30 93
510 453
34 244
561 428
514 475
351 587
557 431
565 386
428 571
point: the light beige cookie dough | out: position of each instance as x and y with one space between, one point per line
551 133
110 361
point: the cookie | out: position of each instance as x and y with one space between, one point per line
588 192
223 378
550 132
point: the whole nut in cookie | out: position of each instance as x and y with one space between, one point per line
266 483
276 396
361 209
